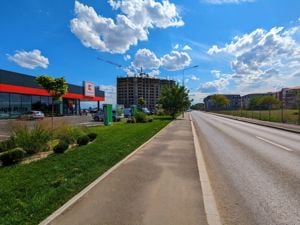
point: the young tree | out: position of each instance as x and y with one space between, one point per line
174 99
56 87
141 102
220 100
268 101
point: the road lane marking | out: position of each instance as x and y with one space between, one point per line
275 144
210 205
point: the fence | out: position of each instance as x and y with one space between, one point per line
291 116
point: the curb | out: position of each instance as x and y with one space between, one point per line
257 123
78 196
210 206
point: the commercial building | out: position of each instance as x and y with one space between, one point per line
130 89
20 93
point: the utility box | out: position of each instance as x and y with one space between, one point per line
133 110
107 108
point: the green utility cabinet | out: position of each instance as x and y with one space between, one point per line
133 110
107 108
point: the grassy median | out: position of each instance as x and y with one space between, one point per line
29 193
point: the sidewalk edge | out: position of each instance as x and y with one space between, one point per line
78 196
260 123
210 206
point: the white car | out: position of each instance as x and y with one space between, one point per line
33 115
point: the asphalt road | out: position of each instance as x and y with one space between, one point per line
254 170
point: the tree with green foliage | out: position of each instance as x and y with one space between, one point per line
197 106
220 101
254 102
141 102
268 101
174 99
56 87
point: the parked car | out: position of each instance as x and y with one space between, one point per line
127 112
117 116
146 110
99 116
32 115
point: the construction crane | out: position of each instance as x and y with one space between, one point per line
110 62
120 66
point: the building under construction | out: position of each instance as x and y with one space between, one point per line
130 89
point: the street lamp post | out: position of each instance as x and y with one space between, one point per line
187 68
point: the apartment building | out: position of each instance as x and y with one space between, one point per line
234 102
130 89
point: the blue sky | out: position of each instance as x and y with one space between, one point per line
240 46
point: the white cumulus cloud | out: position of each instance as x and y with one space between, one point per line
146 59
214 86
186 48
130 27
127 57
262 58
176 60
30 60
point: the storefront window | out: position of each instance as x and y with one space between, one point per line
15 105
36 102
4 105
26 103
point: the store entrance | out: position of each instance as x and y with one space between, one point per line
71 107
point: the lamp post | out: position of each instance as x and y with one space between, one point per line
187 68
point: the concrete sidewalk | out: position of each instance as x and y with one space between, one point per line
158 185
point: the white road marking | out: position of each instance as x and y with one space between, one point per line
210 205
275 144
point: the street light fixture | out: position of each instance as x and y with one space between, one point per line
187 68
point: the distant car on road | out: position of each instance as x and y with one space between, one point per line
32 115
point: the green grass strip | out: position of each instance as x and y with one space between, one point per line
29 193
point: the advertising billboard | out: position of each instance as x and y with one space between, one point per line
89 89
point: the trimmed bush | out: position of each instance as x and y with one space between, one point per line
7 144
150 119
68 134
92 136
61 147
140 117
13 156
131 120
83 140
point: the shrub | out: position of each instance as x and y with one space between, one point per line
61 147
140 117
7 144
32 140
69 134
92 136
12 156
131 120
150 119
83 140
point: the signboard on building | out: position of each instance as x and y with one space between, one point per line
89 89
